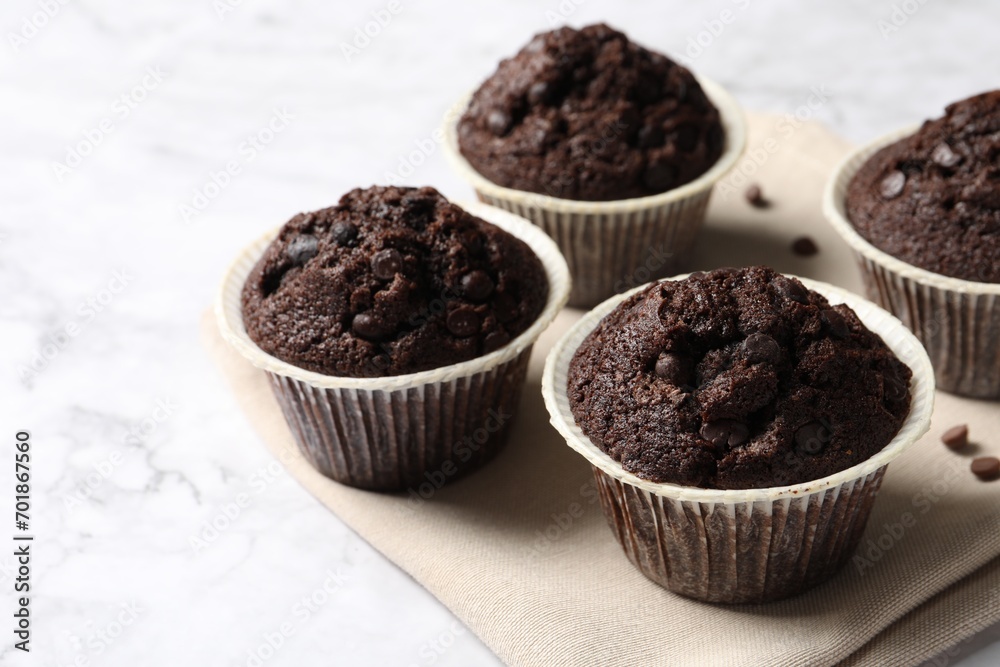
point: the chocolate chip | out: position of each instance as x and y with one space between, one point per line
538 93
463 322
986 468
505 307
387 263
302 249
477 285
805 247
836 322
892 185
956 437
812 438
368 326
725 433
495 340
755 196
498 122
944 156
344 233
760 348
791 289
674 368
658 177
650 136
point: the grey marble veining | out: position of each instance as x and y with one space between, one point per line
146 108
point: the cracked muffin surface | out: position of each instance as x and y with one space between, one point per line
589 115
932 199
391 281
736 379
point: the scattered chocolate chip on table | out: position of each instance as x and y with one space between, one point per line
956 437
986 468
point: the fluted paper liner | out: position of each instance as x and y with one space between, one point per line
738 546
612 246
407 431
958 321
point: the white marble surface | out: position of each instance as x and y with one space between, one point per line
222 70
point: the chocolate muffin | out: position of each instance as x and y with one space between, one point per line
933 198
388 282
588 115
736 379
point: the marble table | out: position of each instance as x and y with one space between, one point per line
144 143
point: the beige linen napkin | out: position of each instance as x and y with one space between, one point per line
520 551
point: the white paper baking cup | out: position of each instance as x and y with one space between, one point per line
753 545
611 246
406 431
958 321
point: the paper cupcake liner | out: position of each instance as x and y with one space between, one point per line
742 546
958 321
406 431
430 434
613 246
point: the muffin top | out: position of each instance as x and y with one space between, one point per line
588 115
390 281
736 379
933 198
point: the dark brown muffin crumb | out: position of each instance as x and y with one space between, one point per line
388 282
588 115
933 198
736 379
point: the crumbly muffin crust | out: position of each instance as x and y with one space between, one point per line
588 115
388 282
933 198
736 379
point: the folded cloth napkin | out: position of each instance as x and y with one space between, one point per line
520 550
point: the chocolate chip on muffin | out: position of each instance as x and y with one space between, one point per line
589 115
388 282
933 198
736 379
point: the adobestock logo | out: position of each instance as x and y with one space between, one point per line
363 35
464 450
33 24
